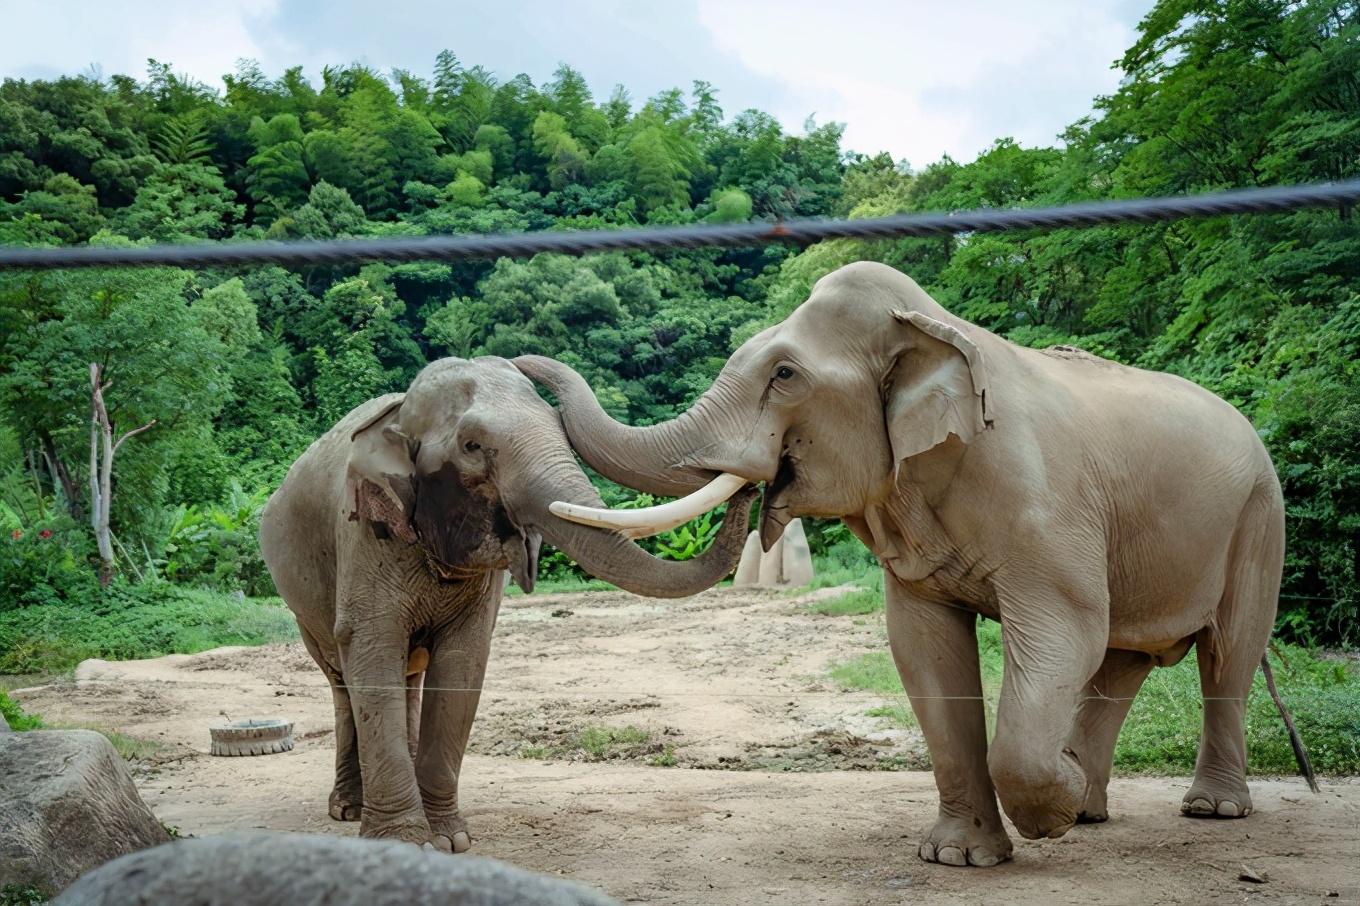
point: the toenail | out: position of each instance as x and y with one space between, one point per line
951 855
982 857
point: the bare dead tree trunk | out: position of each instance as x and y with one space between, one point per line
102 450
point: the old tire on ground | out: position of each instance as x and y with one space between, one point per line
267 736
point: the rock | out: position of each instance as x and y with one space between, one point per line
1252 875
255 869
796 557
748 568
788 563
69 805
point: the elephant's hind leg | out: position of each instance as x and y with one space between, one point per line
1109 694
346 802
1228 652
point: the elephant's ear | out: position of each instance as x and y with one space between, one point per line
380 480
938 387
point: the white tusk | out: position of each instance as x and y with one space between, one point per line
653 520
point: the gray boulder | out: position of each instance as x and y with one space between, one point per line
261 869
67 804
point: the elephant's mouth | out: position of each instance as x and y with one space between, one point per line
774 507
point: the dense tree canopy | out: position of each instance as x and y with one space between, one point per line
242 370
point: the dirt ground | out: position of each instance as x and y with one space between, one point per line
735 772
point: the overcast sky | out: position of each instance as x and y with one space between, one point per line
918 78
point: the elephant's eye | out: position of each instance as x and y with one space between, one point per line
472 446
784 373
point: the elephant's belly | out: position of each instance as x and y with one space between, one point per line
1162 598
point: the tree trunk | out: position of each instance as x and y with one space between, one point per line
61 478
102 450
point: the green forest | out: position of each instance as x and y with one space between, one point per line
241 369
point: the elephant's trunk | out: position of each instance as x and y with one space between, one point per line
613 557
657 459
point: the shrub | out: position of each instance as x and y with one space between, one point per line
137 621
14 715
47 562
217 545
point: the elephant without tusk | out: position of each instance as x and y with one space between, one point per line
389 540
1109 518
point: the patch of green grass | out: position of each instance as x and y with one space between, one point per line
666 759
872 672
11 713
21 895
561 586
897 714
143 621
859 602
602 742
828 573
1161 733
131 748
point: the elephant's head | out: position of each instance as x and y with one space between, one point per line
465 465
823 407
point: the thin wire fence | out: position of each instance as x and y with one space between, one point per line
1275 199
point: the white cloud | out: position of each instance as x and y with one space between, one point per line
62 37
924 79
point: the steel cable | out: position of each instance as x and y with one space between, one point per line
482 247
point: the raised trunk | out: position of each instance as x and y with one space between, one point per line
656 459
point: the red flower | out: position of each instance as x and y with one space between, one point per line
45 534
16 534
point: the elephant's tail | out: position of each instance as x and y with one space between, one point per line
1300 753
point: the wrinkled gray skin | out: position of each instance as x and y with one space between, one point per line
389 539
1108 517
272 869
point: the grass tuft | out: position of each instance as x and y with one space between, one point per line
859 602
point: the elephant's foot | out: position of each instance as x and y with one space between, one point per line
965 841
1042 802
346 805
450 834
408 826
1210 799
1094 810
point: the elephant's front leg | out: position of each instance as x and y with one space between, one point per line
935 649
452 690
1054 642
374 658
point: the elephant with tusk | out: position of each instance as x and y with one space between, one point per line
390 539
1110 518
